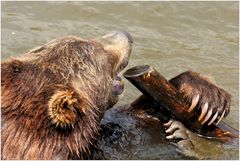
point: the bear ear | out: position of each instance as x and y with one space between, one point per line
64 108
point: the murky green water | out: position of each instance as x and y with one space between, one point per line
171 36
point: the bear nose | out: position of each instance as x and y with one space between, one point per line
119 35
125 33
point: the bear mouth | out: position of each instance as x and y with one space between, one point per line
118 85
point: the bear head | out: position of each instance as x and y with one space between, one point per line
54 96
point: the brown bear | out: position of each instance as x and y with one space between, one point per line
54 96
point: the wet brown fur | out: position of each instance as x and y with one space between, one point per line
192 83
70 72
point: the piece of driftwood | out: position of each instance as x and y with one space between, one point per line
154 85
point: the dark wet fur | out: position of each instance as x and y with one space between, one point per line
191 83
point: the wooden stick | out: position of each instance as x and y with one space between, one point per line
154 85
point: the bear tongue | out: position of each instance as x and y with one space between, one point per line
118 86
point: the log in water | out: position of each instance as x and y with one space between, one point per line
154 85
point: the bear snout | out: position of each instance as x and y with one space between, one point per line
120 36
118 45
130 39
118 85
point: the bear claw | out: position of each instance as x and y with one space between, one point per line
168 123
206 112
213 119
177 134
209 114
194 103
221 117
173 126
176 130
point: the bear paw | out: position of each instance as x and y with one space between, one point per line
209 102
177 134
